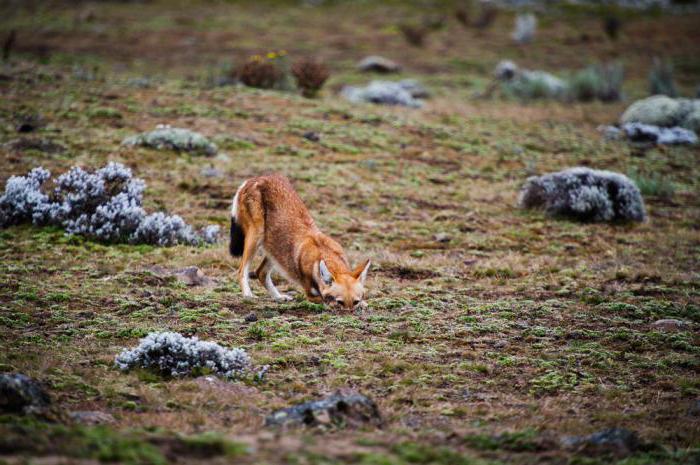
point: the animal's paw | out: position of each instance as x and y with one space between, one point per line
284 298
248 296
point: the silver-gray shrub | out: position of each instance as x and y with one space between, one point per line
105 205
23 197
585 194
174 355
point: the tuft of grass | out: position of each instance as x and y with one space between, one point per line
655 185
661 79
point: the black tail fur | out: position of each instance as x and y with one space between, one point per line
235 247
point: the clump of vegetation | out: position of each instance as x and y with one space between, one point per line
105 205
181 140
414 34
603 82
585 195
310 75
262 72
661 81
654 186
525 26
174 355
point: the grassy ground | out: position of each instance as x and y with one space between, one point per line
483 349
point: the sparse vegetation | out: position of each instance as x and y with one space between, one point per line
492 333
661 79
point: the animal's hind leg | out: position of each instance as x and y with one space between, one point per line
250 247
264 274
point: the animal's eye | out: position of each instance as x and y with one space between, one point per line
356 301
340 301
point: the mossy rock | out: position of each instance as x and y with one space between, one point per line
181 140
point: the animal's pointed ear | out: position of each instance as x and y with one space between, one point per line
361 271
326 275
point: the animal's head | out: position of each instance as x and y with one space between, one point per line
343 290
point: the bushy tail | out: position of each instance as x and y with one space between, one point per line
235 247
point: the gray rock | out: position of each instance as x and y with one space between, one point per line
190 276
378 64
92 418
344 408
181 140
21 394
211 172
415 88
505 70
618 442
442 237
584 194
670 325
664 111
387 93
610 132
640 132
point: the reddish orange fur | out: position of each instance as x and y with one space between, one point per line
274 218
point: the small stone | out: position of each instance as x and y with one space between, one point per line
192 276
442 237
670 325
211 172
378 64
313 136
344 408
251 318
694 409
21 394
619 442
92 418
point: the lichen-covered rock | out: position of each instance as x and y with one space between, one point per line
406 93
640 132
344 408
21 394
584 194
664 111
619 442
175 355
658 110
181 140
378 64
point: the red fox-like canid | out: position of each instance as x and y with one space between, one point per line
268 214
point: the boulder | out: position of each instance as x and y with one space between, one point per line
584 194
344 408
664 111
378 64
670 325
21 394
618 442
